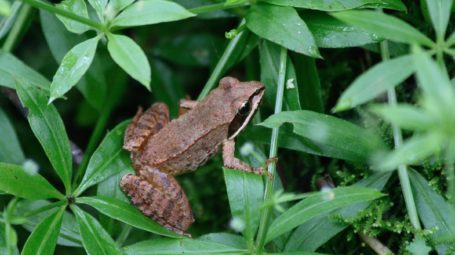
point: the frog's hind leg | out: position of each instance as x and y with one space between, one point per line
145 125
160 197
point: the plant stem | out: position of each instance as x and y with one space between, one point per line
376 245
219 68
216 7
8 45
123 235
50 8
398 141
267 212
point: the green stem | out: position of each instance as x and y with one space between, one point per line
50 8
216 7
267 212
16 29
398 141
123 235
219 68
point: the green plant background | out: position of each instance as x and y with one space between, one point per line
359 94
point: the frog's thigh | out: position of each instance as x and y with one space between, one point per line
160 197
145 125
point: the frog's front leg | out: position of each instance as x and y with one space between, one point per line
231 161
186 105
160 197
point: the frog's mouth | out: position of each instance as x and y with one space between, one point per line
241 121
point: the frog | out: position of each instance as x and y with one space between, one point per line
162 148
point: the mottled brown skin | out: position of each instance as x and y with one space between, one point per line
161 149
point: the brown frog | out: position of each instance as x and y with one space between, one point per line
161 149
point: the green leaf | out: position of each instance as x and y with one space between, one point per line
43 239
10 148
77 7
126 213
118 5
451 40
180 246
74 65
385 26
245 192
226 239
329 32
95 239
13 178
440 13
48 128
317 231
13 69
5 8
435 212
376 81
99 6
317 204
107 160
340 5
130 57
333 136
269 54
406 116
309 83
149 12
60 41
418 247
413 151
282 25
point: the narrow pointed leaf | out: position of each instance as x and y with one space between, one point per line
337 5
126 213
107 160
149 12
385 26
316 204
99 6
440 13
77 7
95 239
130 57
376 81
74 65
13 178
282 25
43 239
5 8
10 148
118 5
49 129
405 116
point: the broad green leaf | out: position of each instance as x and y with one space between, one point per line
99 6
376 81
317 204
8 240
317 231
126 213
332 135
10 148
149 12
13 69
232 240
77 7
111 186
73 66
180 246
13 178
130 57
340 5
435 212
269 58
406 116
245 193
6 23
385 26
440 13
451 40
329 32
106 161
43 239
309 83
282 25
118 5
5 8
96 240
435 84
92 85
49 129
414 150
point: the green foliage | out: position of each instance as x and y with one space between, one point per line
66 204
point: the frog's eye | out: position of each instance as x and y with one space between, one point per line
245 109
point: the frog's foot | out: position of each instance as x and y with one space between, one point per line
145 125
230 161
159 196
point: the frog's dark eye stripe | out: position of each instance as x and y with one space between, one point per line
245 109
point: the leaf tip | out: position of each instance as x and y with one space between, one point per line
342 105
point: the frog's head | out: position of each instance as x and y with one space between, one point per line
244 99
